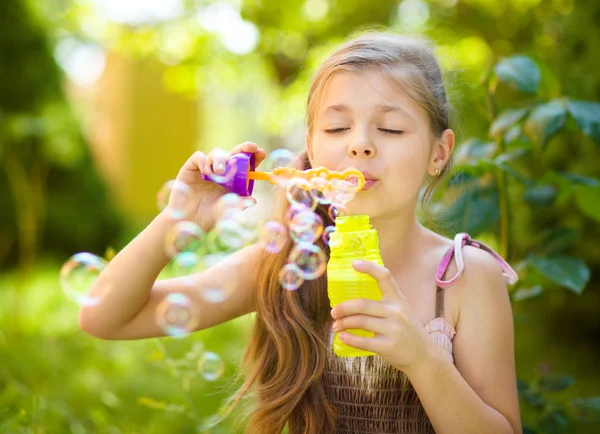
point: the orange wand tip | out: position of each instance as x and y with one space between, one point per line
260 176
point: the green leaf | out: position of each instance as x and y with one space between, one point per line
587 115
515 174
555 382
475 211
541 195
519 72
588 201
528 430
473 149
554 422
572 273
545 121
533 399
505 120
578 179
587 409
558 239
527 293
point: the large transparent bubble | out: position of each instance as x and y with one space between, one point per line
274 236
290 277
310 259
280 158
229 205
211 366
299 196
174 199
177 315
306 227
77 276
183 236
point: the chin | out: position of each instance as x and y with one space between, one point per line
372 208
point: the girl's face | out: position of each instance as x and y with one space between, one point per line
365 121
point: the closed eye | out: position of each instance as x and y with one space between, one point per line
335 130
385 130
391 131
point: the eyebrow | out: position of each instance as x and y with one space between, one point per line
383 108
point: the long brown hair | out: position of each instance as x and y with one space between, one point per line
287 352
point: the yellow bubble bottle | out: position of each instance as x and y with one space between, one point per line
353 239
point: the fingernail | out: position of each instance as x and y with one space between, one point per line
220 167
335 325
333 313
357 263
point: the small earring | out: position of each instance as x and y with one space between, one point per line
437 171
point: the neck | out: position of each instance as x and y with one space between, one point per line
401 237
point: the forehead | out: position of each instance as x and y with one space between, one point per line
348 91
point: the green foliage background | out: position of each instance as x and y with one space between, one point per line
521 76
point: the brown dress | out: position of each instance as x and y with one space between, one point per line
371 396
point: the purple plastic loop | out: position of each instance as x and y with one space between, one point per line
239 182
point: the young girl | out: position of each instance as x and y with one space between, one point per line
445 359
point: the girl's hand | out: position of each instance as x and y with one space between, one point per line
399 339
205 194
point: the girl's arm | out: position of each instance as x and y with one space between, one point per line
132 293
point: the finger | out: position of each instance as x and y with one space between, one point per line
359 306
251 147
384 278
260 154
245 147
195 162
368 323
375 344
218 159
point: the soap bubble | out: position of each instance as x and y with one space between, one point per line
290 277
310 259
327 233
274 235
280 158
294 209
186 263
336 211
306 227
352 182
230 234
183 236
299 196
211 366
230 168
250 221
339 192
77 276
229 205
174 199
217 293
176 315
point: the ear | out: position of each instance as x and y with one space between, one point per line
442 149
309 150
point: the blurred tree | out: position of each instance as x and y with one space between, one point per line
49 189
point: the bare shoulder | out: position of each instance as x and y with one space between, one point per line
484 342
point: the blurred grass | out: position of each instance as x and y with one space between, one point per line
54 378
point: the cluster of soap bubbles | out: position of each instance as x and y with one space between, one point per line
239 223
308 261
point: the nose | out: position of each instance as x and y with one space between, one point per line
362 147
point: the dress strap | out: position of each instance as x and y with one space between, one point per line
460 240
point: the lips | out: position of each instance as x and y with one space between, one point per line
370 180
369 183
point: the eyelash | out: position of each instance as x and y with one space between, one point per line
339 130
